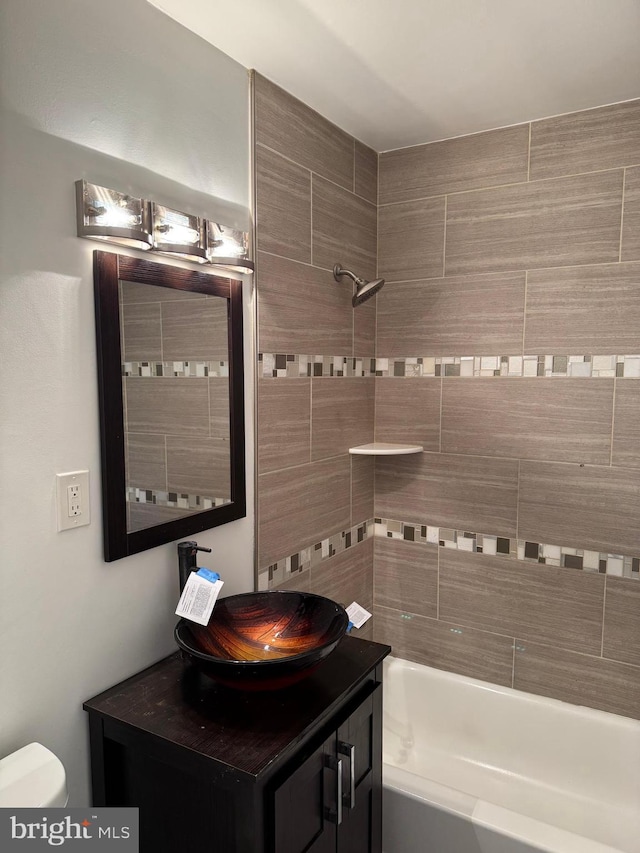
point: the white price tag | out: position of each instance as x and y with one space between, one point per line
357 614
198 598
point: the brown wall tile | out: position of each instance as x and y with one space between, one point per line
219 407
344 230
586 141
300 506
470 493
287 125
362 487
132 292
300 582
171 406
622 620
142 332
146 462
476 654
408 411
284 423
364 328
366 172
581 679
411 239
283 206
583 310
406 576
468 162
302 309
196 329
452 316
567 420
586 507
562 607
346 577
141 516
341 415
630 249
200 466
540 224
626 424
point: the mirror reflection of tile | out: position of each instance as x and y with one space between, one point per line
176 402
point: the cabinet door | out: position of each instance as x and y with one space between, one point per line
360 747
305 805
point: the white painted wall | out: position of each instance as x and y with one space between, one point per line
118 93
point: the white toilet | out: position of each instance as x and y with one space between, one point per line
32 777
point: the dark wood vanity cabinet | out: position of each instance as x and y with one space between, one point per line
211 769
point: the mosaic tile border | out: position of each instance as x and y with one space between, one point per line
596 562
615 565
281 366
283 570
172 499
188 369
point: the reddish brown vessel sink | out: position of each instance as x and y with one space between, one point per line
264 640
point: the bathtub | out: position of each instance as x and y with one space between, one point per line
470 767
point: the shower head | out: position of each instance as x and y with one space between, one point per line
364 289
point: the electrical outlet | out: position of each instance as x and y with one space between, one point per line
73 499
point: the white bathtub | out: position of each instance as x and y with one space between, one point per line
470 767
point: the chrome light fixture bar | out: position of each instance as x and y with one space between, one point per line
112 216
176 233
115 217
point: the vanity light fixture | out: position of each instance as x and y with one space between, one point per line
228 248
115 217
176 233
112 216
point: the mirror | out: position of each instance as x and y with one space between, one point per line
170 375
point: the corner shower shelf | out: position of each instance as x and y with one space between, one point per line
384 448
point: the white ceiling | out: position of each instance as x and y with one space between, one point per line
401 72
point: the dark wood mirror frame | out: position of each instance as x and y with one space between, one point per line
109 269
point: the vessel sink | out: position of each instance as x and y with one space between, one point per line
264 640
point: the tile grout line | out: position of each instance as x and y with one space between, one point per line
311 217
437 587
518 503
441 278
529 156
505 186
624 184
513 663
524 312
604 605
310 419
444 242
613 421
440 427
354 166
323 177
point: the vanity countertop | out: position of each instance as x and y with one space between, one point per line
247 731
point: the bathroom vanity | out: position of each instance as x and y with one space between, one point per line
223 771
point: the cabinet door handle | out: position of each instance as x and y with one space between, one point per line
331 763
350 750
339 794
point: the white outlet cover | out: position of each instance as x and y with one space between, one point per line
63 481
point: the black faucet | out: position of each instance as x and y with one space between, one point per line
187 559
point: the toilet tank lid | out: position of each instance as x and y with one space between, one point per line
32 777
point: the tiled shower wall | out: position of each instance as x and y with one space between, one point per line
508 342
316 191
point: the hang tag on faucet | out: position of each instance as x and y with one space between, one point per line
357 614
199 596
